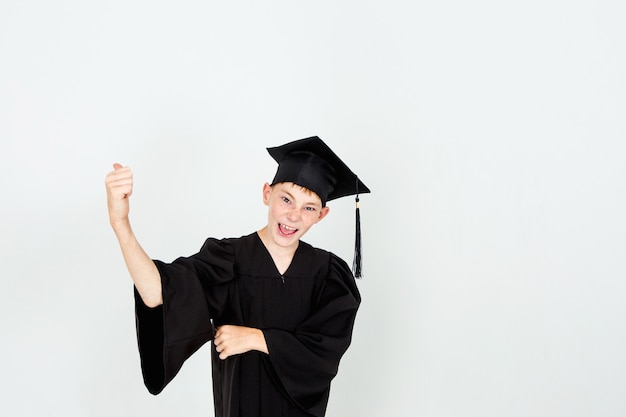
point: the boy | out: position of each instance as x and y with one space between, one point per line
280 312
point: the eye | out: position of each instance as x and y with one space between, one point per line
286 200
309 208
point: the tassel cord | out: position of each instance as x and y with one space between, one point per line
358 261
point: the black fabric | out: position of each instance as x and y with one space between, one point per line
308 171
324 173
306 314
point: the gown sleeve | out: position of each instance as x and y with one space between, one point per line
307 359
169 334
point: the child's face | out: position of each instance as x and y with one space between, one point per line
292 211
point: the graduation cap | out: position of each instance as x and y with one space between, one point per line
310 163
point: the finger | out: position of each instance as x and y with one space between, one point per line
119 179
122 176
117 166
124 186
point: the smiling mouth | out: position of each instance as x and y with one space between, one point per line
286 230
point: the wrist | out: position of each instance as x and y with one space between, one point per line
260 343
121 226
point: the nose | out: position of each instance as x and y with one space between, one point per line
293 215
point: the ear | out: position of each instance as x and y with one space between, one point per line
323 212
267 190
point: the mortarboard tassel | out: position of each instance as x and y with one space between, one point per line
358 261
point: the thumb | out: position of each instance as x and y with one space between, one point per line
117 166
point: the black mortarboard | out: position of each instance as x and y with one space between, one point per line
310 163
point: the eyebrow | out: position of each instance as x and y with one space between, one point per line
306 203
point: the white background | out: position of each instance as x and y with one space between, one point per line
491 133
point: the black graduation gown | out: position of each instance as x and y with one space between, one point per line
306 314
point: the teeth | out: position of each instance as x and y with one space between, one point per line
288 228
